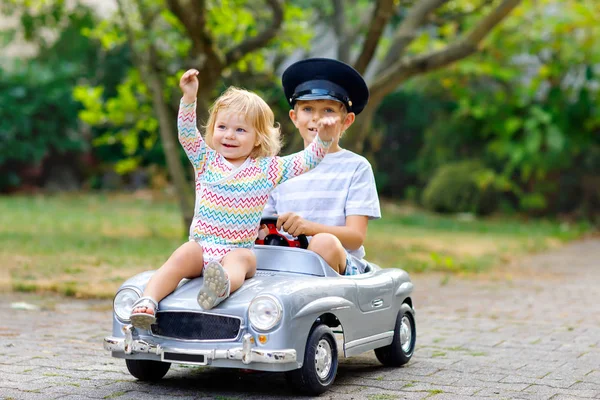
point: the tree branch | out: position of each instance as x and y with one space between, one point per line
260 40
456 16
193 19
405 68
137 59
351 36
339 23
382 13
407 31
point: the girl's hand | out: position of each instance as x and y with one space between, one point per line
189 85
263 231
328 128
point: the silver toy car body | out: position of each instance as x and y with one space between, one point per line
284 319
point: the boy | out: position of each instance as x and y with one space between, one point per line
333 203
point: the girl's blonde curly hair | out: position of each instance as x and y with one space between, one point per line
257 113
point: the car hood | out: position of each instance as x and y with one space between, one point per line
279 284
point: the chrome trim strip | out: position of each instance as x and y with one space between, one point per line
368 339
247 354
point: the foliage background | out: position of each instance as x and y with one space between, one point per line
81 113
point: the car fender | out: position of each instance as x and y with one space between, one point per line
324 304
407 307
404 290
304 319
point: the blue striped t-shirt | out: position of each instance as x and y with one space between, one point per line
341 185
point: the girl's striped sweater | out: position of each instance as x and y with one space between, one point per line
230 200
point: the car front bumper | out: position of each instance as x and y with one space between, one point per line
246 354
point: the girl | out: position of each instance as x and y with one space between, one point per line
235 169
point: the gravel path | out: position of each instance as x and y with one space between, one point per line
530 331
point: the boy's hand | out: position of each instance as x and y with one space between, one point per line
189 85
294 224
328 128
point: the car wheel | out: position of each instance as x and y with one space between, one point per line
320 363
147 370
400 351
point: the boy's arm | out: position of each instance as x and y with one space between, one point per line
280 169
352 235
189 136
362 204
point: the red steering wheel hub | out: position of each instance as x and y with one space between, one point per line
275 238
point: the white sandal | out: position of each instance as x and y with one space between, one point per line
216 286
144 320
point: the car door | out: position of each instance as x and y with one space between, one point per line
375 296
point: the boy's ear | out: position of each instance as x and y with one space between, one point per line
293 116
350 118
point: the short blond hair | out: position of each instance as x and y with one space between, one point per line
257 113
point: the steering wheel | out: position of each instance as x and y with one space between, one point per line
274 238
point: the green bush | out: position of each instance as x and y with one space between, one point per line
38 117
458 187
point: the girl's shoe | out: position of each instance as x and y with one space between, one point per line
144 320
216 286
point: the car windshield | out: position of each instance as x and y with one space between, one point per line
287 259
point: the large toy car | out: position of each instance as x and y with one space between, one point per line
284 319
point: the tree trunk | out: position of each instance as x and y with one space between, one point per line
171 147
358 134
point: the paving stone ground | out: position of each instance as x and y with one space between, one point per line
529 330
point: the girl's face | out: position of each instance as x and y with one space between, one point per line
233 137
307 114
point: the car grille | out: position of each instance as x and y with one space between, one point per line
195 326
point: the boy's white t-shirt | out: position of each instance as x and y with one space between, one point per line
343 184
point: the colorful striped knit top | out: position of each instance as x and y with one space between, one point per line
229 199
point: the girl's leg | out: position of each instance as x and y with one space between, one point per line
221 279
185 262
330 248
240 265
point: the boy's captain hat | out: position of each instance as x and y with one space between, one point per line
325 79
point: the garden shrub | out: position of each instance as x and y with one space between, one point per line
457 187
38 117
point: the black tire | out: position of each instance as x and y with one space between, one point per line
400 351
148 370
316 377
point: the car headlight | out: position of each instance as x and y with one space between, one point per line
123 303
265 312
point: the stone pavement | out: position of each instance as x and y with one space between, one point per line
528 331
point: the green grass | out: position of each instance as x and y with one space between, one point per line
87 244
418 241
84 245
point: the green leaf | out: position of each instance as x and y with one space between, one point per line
533 141
512 125
555 139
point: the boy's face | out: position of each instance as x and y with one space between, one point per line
307 113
